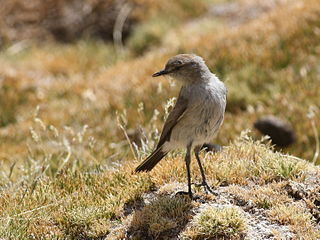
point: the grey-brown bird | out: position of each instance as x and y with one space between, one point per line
196 116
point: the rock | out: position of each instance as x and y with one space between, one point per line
280 132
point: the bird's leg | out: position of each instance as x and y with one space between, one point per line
204 181
188 160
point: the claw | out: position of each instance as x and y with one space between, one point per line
206 187
187 193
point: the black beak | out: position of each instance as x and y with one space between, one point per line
157 74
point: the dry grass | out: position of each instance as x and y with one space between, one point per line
74 204
217 223
160 217
270 60
81 76
297 218
265 196
243 162
85 204
60 162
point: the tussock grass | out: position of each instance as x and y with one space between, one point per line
161 216
297 218
265 196
240 163
217 223
73 205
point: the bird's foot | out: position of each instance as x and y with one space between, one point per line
206 187
183 193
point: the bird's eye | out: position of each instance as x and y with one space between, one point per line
179 62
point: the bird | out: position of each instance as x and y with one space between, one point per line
196 117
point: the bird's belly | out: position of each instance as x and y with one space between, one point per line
197 127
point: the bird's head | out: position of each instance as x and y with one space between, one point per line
186 68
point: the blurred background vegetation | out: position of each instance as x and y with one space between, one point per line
75 74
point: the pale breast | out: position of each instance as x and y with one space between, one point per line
204 114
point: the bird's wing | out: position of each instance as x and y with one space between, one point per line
175 115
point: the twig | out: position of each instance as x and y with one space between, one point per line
311 115
127 137
316 135
290 156
64 162
35 209
11 169
67 158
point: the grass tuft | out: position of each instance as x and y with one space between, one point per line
299 220
217 223
161 216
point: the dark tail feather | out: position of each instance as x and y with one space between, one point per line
151 161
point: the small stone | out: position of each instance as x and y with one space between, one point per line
280 132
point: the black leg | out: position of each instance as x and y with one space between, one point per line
204 181
188 160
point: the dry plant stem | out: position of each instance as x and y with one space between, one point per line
66 160
35 209
11 169
127 138
118 26
316 154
